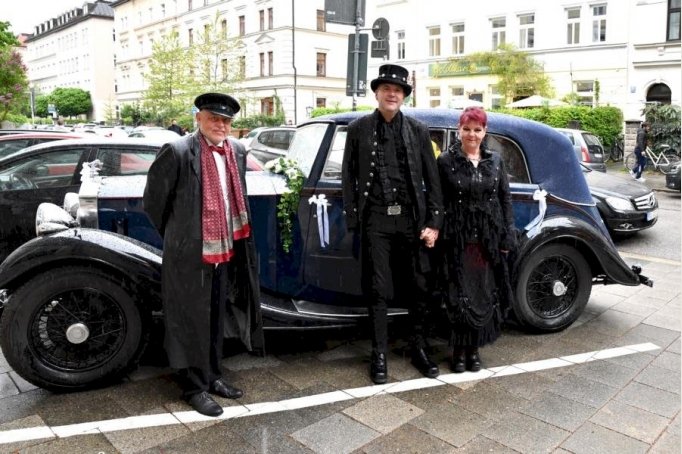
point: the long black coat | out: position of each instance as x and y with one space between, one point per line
173 200
359 162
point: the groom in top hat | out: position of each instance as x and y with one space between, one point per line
392 200
196 198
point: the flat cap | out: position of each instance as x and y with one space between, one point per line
218 103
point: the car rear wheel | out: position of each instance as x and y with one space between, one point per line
553 286
71 328
667 164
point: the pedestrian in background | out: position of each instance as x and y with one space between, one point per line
392 200
196 197
175 127
478 233
640 147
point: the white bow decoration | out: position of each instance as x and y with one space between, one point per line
541 196
322 217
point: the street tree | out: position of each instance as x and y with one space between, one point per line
70 102
219 58
7 38
13 82
170 81
518 74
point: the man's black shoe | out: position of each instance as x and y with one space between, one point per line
473 361
421 361
378 371
457 365
222 389
204 404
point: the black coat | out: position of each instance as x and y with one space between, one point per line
173 200
359 160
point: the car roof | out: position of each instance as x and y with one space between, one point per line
40 135
540 142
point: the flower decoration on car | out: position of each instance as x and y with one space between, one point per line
288 204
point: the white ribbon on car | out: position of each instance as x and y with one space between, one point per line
541 196
91 170
322 217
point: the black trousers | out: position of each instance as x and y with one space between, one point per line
390 248
195 380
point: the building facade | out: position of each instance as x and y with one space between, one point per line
74 50
622 53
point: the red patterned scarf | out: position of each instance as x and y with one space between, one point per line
218 234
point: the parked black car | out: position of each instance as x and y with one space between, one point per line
46 172
11 143
80 300
626 206
672 179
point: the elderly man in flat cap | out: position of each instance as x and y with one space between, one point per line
392 199
196 197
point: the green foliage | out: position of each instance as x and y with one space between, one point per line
519 75
332 110
13 82
665 124
288 204
605 122
7 38
71 101
256 121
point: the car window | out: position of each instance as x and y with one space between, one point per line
517 171
591 139
569 136
10 146
332 167
53 169
306 144
276 139
438 140
121 161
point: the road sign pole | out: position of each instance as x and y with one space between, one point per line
356 52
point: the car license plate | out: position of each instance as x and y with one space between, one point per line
651 215
597 155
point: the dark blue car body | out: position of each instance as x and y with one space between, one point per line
564 248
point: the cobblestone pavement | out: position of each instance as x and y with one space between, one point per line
538 393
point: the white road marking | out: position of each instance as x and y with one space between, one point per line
239 411
648 258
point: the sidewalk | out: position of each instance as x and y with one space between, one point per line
654 179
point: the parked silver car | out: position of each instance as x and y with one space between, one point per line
588 148
271 143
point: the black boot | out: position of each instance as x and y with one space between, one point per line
473 359
378 370
457 364
423 363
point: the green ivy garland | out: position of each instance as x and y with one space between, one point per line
288 204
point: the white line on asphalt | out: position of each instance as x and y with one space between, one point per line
648 258
239 411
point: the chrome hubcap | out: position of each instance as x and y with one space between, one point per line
558 288
77 333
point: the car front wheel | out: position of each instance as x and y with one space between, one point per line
71 328
552 289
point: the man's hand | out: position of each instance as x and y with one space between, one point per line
429 236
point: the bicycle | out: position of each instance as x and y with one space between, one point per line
664 160
615 153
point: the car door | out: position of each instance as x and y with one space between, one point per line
28 181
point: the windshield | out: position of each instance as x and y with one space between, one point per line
306 144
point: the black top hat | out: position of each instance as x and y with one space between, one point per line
218 103
392 74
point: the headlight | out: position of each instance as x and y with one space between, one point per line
619 204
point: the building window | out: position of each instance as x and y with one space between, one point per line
527 31
434 97
401 44
189 5
242 26
207 32
223 28
242 66
223 68
499 36
495 97
585 90
457 90
673 20
261 17
573 26
163 10
320 102
599 23
267 106
457 39
190 36
262 64
434 41
269 18
321 64
321 23
270 72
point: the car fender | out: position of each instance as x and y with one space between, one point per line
607 265
136 263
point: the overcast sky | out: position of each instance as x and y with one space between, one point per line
24 15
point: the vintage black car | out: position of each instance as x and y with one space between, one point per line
79 302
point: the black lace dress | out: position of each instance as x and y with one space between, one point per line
479 223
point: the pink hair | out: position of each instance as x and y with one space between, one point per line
474 114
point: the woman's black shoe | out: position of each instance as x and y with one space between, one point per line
457 365
421 361
378 371
473 360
